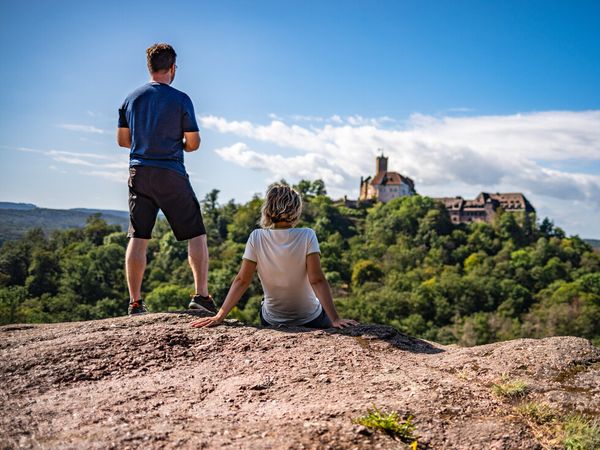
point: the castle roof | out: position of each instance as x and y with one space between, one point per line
508 201
391 178
451 203
512 200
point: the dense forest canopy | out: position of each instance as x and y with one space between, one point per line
401 263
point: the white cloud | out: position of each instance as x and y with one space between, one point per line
310 166
304 118
56 169
430 148
119 177
81 128
76 154
357 121
72 160
460 109
447 154
113 167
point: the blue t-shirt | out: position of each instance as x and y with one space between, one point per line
157 115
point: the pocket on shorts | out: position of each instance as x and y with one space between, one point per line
132 172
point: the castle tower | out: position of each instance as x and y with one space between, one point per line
381 164
384 185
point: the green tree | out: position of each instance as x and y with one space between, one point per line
96 229
43 273
308 189
168 298
11 298
364 271
14 263
245 220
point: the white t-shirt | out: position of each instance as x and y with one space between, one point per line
280 257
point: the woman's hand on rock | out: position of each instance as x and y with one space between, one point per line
207 322
343 323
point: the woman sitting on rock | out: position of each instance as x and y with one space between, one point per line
296 292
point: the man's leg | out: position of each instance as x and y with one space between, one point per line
198 259
135 264
182 210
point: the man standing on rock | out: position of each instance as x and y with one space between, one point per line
157 123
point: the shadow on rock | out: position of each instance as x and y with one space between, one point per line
365 333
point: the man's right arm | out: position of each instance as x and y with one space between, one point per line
124 137
123 131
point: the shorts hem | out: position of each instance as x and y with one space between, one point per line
138 236
191 236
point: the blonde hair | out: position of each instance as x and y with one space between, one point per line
282 204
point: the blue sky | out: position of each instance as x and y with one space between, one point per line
463 96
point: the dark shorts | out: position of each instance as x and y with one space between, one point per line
154 188
322 321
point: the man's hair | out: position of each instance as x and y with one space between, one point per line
283 204
160 57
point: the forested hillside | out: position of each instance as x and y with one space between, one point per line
18 218
402 263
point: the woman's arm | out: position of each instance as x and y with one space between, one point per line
237 289
321 287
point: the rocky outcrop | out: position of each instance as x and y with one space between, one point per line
154 382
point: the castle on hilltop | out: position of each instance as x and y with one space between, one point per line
484 207
387 185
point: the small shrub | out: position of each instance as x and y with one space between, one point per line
581 433
538 413
544 422
510 389
390 423
550 427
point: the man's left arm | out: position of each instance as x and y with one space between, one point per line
124 137
191 132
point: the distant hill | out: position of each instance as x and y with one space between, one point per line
595 243
20 206
15 221
104 212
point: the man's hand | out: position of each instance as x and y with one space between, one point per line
207 322
343 323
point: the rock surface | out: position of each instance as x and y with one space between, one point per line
152 381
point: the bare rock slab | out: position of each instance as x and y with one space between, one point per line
154 382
